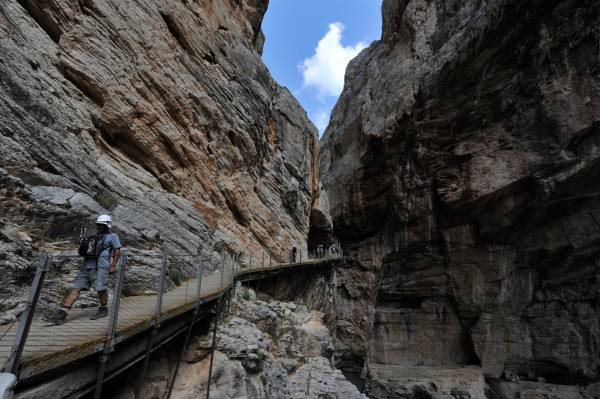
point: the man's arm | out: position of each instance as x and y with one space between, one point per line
113 265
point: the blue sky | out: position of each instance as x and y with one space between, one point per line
309 42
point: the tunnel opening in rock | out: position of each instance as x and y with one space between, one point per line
551 371
355 378
320 232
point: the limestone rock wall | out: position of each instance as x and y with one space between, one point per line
160 113
462 169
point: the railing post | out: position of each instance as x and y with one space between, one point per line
222 269
109 345
26 318
263 259
250 265
231 267
270 261
233 282
200 271
232 264
114 316
209 261
157 321
161 289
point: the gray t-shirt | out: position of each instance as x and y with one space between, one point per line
109 243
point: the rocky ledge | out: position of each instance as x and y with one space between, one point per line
264 349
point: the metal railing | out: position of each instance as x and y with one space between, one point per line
176 279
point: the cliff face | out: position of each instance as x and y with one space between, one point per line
462 167
160 113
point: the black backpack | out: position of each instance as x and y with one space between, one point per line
92 246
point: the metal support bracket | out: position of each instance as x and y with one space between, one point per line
212 353
171 384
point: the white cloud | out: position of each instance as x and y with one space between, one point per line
321 120
325 69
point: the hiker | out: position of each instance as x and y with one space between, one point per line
320 251
97 250
294 250
333 250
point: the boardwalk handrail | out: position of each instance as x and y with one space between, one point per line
26 318
230 270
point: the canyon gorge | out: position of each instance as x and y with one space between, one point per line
460 171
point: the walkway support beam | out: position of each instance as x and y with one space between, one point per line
188 335
212 353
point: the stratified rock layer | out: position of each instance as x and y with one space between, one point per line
462 164
160 113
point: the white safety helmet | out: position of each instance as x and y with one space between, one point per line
105 220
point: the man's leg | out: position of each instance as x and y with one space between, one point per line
71 298
101 286
103 298
60 315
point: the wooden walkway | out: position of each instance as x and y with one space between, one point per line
50 346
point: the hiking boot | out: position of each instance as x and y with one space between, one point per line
57 317
102 312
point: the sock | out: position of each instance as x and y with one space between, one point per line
103 298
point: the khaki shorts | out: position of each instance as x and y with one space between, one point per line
96 278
